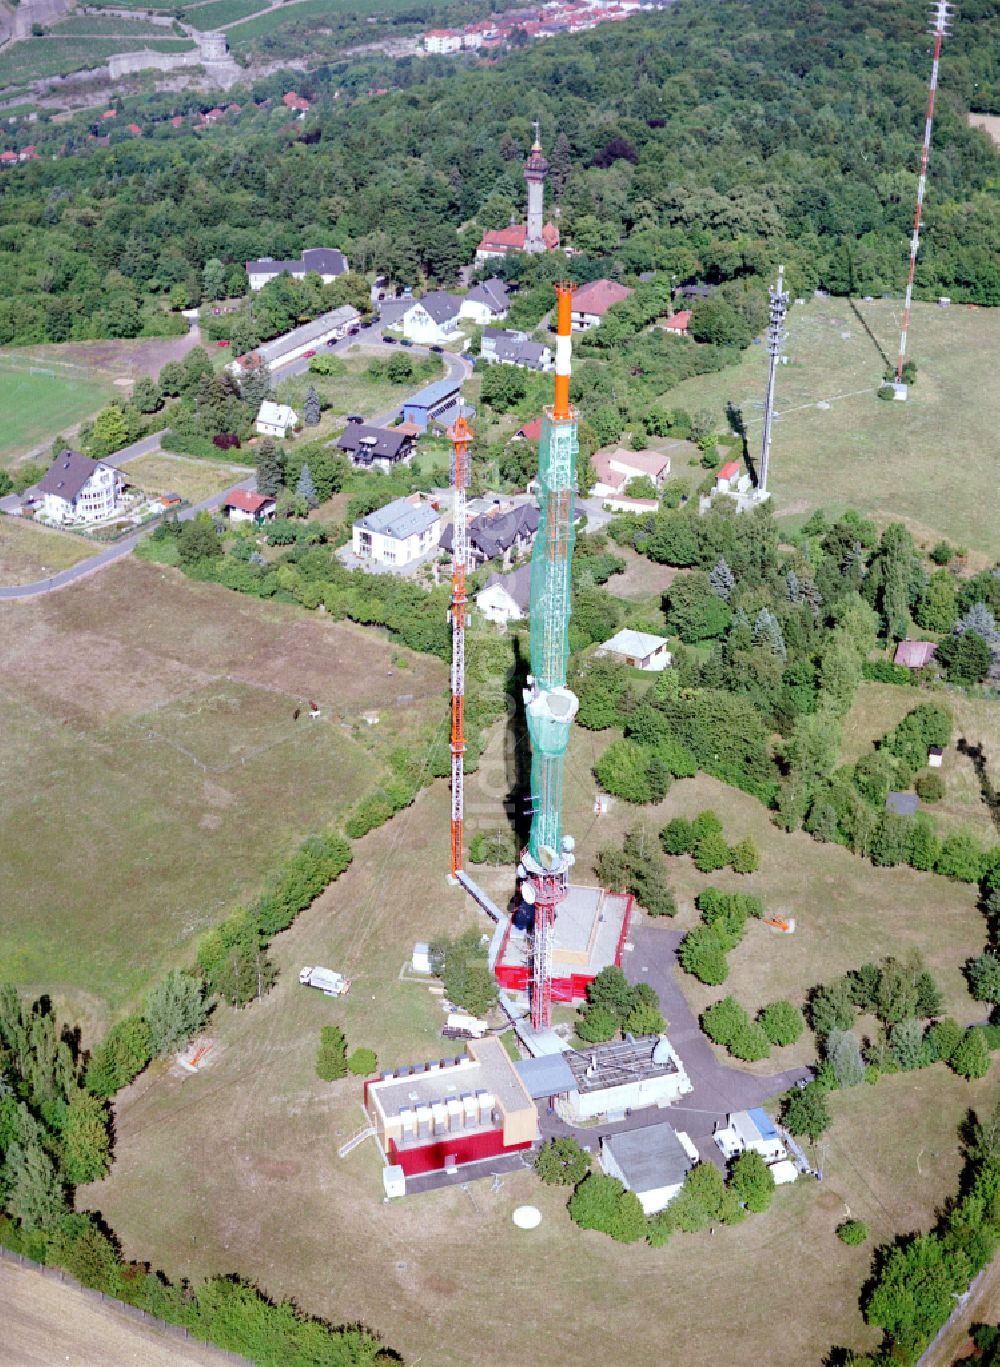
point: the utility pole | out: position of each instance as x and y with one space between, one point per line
942 11
775 340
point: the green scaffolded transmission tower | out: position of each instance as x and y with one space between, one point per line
549 704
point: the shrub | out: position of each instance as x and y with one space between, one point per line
744 857
711 853
702 954
971 1058
723 1020
750 1043
562 1162
121 1056
944 1037
804 1110
602 1203
852 1232
331 1057
677 836
363 1062
781 1022
705 823
930 787
597 1024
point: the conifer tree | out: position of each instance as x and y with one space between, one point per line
311 407
306 489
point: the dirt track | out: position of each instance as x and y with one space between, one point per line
46 1321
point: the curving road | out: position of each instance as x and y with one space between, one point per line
456 367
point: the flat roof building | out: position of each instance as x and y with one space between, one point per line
652 1162
589 934
452 1111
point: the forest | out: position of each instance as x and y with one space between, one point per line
701 141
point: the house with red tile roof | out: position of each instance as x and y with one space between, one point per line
678 324
591 302
497 242
134 129
295 101
244 507
915 654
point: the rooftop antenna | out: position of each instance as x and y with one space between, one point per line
775 340
941 13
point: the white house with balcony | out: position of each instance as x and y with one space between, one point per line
397 534
78 489
274 419
432 320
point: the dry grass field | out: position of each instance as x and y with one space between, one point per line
152 770
237 1168
922 461
164 472
28 553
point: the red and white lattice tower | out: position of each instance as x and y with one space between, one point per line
461 437
941 12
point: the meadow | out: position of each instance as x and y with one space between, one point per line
94 25
154 772
352 390
28 553
44 397
922 461
200 1182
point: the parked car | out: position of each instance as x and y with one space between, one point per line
437 349
307 355
386 338
222 342
355 417
405 341
353 332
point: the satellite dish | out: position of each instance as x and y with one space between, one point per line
527 1217
522 872
528 895
568 844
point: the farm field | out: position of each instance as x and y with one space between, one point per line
153 772
879 707
39 404
34 58
164 472
241 34
350 392
891 460
200 1184
28 552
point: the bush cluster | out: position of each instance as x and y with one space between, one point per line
724 916
727 1023
702 838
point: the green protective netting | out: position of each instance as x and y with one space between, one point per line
551 561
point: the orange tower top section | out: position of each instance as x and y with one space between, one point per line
561 410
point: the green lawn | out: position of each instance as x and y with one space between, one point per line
218 13
95 24
927 461
43 398
352 392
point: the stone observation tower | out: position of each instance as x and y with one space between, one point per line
536 168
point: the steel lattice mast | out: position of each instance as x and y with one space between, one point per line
461 436
549 704
942 11
775 338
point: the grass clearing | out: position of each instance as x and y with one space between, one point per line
42 399
312 12
879 707
193 479
219 13
28 553
200 1184
95 25
897 461
153 772
352 392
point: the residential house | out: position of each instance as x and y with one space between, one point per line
531 431
274 419
397 534
506 347
678 324
694 292
506 597
326 262
639 649
652 1162
296 103
732 479
614 469
486 303
241 506
78 489
915 654
432 320
383 446
498 242
754 1131
437 402
328 327
442 40
591 302
498 533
